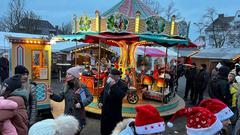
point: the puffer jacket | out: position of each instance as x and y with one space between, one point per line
234 90
19 117
7 126
124 128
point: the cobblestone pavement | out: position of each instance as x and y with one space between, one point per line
93 121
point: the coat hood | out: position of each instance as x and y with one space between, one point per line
121 126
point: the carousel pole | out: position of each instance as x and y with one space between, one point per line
166 60
75 54
99 60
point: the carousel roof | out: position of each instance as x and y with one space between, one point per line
164 40
129 8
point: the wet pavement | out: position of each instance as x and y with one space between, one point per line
93 121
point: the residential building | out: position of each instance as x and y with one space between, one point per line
224 30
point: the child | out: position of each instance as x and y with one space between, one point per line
219 109
63 125
18 116
148 121
200 121
8 105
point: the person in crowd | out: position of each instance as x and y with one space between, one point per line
220 88
190 83
7 127
222 111
62 125
237 125
76 96
87 71
200 121
215 70
201 84
110 101
237 66
18 116
4 68
30 88
147 116
219 109
234 87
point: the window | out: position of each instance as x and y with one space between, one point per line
40 64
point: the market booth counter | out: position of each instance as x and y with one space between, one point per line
35 55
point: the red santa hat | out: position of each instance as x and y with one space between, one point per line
148 120
217 107
200 121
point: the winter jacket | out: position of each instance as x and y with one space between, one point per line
4 69
124 128
29 95
18 117
234 90
8 128
191 75
220 89
111 98
202 79
71 99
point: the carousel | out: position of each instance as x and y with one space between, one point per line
130 25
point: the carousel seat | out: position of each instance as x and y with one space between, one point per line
89 81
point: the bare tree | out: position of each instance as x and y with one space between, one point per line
154 5
30 22
171 10
218 30
14 15
66 28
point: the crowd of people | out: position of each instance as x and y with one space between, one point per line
208 116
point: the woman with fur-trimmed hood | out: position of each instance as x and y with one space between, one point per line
147 122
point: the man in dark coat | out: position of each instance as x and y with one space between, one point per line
110 101
219 87
190 81
201 84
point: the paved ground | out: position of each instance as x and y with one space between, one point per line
93 121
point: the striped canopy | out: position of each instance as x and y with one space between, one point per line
129 8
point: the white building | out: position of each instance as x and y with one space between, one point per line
226 29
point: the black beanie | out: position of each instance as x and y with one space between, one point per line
21 70
204 66
13 83
224 71
115 72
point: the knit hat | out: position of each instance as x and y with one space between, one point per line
11 84
200 121
148 120
218 108
63 125
75 71
20 69
114 71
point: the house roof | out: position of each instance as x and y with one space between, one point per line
39 23
221 21
129 8
4 42
218 53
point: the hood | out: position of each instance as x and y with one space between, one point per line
121 126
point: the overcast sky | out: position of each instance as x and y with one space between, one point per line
61 11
